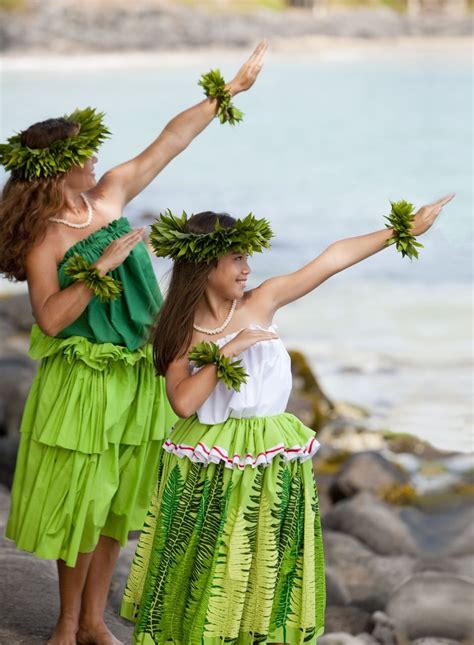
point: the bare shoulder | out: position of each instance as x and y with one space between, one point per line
258 303
47 249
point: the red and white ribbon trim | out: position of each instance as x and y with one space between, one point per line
205 455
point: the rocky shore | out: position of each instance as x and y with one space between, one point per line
396 512
67 27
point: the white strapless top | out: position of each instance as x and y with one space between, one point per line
268 386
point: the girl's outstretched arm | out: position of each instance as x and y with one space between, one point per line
125 181
340 255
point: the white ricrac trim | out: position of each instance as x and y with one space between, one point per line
205 455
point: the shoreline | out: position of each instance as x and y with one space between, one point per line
310 47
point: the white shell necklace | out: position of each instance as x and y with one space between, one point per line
85 224
218 330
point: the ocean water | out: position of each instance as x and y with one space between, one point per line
330 136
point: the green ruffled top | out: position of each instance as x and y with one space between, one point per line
126 320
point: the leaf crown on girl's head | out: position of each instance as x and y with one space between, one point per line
61 155
169 238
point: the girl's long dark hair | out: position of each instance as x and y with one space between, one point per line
26 206
174 328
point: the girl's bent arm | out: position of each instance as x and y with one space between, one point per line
187 392
53 308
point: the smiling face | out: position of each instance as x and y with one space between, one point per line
229 277
83 178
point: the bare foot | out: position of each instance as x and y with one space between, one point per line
96 635
64 632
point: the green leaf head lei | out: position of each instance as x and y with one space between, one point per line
61 155
169 238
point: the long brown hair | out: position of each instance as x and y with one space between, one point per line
26 206
174 329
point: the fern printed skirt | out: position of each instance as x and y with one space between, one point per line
231 552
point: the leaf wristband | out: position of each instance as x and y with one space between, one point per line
104 287
214 87
231 373
401 220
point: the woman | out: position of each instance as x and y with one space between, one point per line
96 417
231 550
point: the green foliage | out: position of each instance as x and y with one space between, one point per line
214 87
291 532
60 156
232 374
104 287
401 219
169 238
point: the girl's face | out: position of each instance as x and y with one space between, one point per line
82 179
229 277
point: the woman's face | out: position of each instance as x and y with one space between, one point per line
229 277
82 179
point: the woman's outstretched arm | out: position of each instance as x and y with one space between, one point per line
340 255
125 181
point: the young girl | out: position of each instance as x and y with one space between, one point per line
231 550
96 416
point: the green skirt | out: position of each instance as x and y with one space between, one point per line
91 441
231 549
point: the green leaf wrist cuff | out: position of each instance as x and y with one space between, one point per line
104 287
232 374
214 87
401 220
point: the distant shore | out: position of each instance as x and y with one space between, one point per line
67 28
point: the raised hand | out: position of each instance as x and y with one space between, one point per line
426 215
247 74
245 339
119 250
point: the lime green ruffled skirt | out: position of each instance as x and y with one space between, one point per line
231 549
91 441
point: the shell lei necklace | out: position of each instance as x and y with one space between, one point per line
85 224
218 330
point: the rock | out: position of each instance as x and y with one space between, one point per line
336 592
384 629
464 566
434 641
16 310
368 578
374 523
463 543
29 615
433 605
29 602
367 639
347 619
444 530
344 435
341 638
366 471
16 376
307 401
8 452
